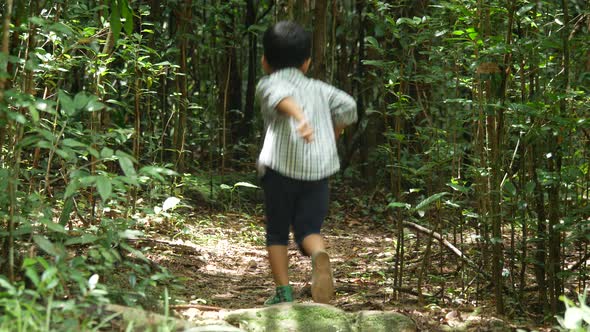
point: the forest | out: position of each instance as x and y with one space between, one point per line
130 130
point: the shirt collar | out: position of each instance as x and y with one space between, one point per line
288 73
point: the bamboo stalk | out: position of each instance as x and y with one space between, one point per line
6 51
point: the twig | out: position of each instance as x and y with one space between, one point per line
164 242
409 290
447 244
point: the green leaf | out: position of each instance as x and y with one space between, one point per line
394 205
72 143
34 114
66 102
87 180
524 9
372 41
126 163
45 106
425 203
460 188
134 251
93 152
61 27
80 100
33 276
529 188
64 217
127 14
509 188
64 154
46 245
94 105
71 189
376 63
49 273
452 204
107 153
84 239
104 187
245 184
115 20
55 227
130 234
7 285
409 21
156 172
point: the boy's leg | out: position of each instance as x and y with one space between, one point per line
311 209
322 281
279 264
279 210
312 244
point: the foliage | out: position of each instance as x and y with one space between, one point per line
108 110
577 315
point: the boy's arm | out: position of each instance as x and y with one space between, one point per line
289 107
275 97
342 109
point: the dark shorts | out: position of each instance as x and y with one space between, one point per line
290 202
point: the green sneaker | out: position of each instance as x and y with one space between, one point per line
322 283
282 294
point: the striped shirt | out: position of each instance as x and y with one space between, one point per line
324 106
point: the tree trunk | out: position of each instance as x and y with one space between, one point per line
184 22
554 259
246 125
319 39
6 51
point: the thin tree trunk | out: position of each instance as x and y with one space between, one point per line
554 260
8 243
6 52
246 126
541 236
185 17
319 39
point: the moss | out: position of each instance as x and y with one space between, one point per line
377 321
292 318
317 317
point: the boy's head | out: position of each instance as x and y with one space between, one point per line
286 44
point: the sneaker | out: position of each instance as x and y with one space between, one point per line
282 294
322 285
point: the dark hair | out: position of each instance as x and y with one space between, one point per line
286 44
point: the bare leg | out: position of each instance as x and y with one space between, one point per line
279 264
322 283
313 243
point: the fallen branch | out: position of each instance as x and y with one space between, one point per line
447 244
579 263
195 306
145 320
168 243
409 290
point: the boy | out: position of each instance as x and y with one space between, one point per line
303 118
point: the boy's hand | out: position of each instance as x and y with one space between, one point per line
305 130
289 107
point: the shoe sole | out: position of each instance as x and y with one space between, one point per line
322 284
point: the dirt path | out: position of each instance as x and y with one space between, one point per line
221 262
228 268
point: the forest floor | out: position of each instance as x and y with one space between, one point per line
219 259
